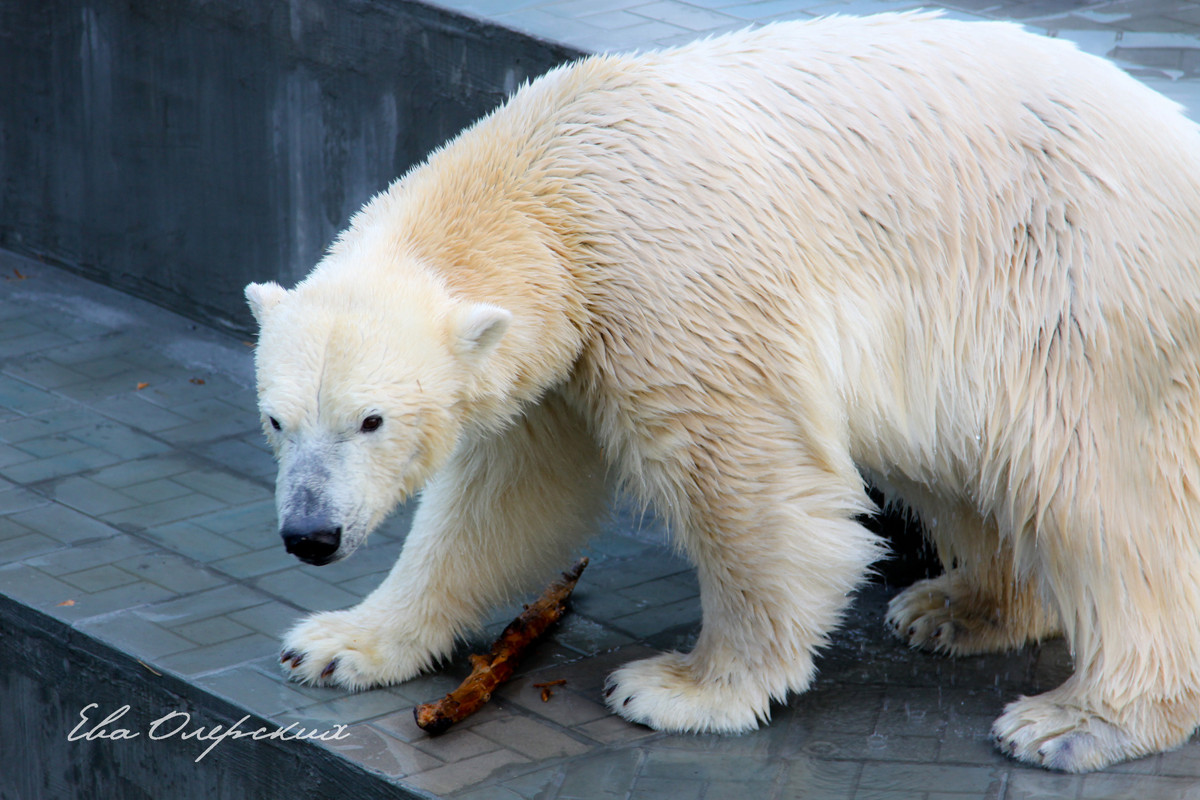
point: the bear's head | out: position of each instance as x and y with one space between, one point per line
366 388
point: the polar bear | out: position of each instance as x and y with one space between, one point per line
958 259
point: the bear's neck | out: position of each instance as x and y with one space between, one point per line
499 234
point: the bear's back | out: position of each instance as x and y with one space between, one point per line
938 219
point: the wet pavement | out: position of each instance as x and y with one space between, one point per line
136 507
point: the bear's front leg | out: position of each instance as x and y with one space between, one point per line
504 513
778 555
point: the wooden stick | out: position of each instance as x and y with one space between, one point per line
488 672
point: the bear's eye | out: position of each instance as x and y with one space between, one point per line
275 424
371 423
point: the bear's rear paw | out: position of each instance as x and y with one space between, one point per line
1064 730
1043 731
662 693
348 649
939 614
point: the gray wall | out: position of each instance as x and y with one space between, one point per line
50 673
178 149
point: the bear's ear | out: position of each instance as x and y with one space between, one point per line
262 297
479 327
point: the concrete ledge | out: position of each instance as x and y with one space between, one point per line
52 672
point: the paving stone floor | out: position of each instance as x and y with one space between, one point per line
136 506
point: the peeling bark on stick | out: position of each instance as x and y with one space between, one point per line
491 670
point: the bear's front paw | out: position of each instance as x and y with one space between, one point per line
662 693
349 649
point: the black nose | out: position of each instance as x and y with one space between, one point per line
313 540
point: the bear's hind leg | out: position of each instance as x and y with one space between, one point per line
1122 562
505 512
1134 690
979 605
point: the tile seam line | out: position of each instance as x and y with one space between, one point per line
232 665
153 436
157 548
117 613
202 463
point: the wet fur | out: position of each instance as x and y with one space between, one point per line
957 257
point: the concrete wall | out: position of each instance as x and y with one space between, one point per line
51 673
178 149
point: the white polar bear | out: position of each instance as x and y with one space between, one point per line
955 257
